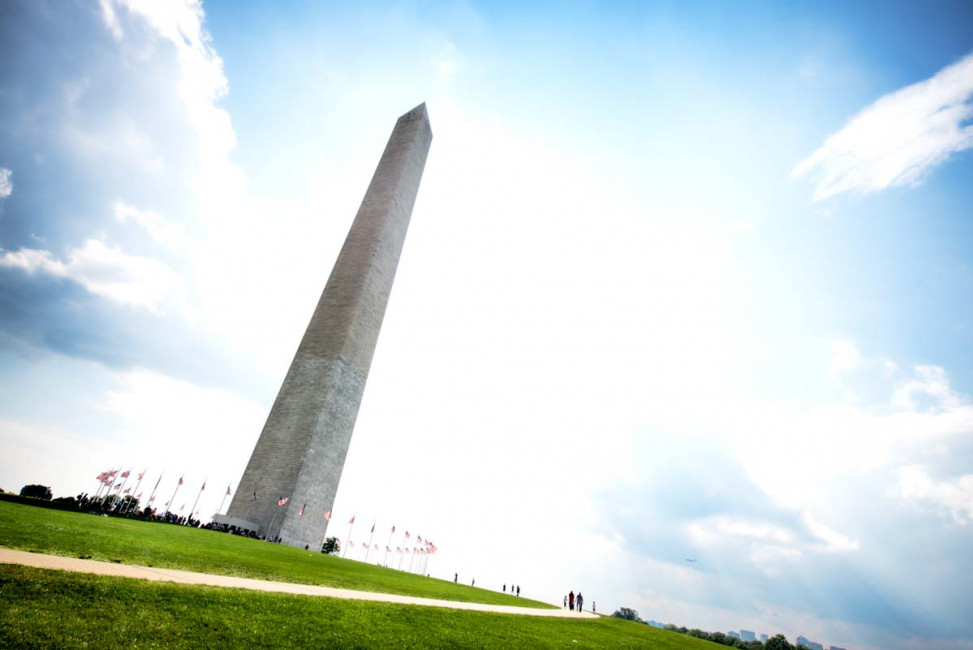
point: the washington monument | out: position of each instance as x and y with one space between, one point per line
301 450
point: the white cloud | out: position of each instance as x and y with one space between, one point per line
899 138
844 357
954 497
447 61
162 230
835 541
202 80
105 271
928 390
111 20
6 185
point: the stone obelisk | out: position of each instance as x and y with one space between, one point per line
301 450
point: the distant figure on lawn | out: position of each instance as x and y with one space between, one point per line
571 601
455 577
518 591
505 587
580 600
565 602
473 584
594 607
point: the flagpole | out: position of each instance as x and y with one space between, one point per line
369 549
124 482
271 526
274 518
118 507
170 504
388 547
101 484
152 496
193 509
137 486
220 509
109 475
351 526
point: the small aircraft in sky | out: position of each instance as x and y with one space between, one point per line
692 560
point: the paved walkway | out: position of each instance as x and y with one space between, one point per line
75 565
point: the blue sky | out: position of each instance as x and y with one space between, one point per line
682 281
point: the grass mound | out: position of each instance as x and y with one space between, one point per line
42 608
75 534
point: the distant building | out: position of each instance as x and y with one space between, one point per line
747 635
733 634
764 638
801 641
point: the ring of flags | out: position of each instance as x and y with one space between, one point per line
108 482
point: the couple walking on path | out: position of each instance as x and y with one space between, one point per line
573 602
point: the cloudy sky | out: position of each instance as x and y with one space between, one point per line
682 281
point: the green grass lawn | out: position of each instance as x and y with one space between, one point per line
42 608
75 534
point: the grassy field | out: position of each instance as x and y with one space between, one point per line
41 608
75 534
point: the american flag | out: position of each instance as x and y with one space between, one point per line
407 534
180 480
327 515
141 474
282 501
126 473
352 520
373 528
151 499
227 490
127 490
351 544
182 507
204 486
393 529
253 498
300 513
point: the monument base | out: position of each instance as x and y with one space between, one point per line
236 522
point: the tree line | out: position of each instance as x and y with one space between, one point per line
776 642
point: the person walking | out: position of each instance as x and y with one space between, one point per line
565 602
571 601
455 577
518 591
579 599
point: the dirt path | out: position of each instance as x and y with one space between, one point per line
75 565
